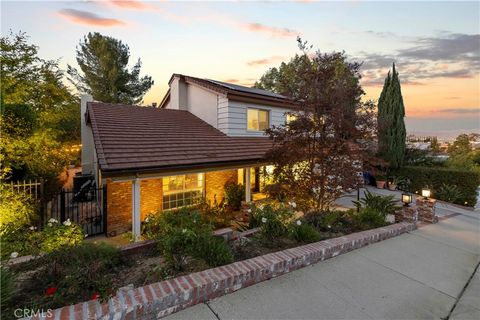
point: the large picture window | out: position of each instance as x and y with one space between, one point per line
257 120
183 190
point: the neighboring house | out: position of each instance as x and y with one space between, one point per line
204 135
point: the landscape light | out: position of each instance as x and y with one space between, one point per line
406 199
426 193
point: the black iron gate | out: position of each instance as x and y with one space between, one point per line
87 208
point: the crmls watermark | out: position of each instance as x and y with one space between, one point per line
27 313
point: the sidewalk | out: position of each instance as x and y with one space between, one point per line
419 275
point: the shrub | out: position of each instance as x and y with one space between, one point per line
76 273
449 193
218 214
382 204
30 240
214 251
185 234
273 221
56 236
303 232
330 221
277 191
466 181
16 210
7 283
234 195
369 218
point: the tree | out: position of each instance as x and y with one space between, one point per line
435 145
38 112
104 63
285 79
391 125
319 154
461 146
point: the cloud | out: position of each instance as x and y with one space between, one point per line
133 5
455 56
451 48
273 31
264 61
461 110
89 18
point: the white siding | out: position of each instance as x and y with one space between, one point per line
232 117
222 114
203 104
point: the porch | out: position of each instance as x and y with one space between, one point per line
131 200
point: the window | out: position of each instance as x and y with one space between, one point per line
257 120
181 191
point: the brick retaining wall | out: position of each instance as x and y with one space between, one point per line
163 298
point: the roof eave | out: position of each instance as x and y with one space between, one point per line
221 165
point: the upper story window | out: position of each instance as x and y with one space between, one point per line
257 120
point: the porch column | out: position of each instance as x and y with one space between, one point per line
136 208
248 189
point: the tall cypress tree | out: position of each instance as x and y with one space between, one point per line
391 125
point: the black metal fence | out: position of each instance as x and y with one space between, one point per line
86 208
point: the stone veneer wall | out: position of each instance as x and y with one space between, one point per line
215 182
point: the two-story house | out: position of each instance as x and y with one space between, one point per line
203 135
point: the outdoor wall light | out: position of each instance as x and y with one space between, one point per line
426 193
406 199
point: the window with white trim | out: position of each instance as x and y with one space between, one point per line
257 119
182 190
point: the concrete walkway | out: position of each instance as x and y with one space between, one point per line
425 274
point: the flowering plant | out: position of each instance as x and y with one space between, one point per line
56 235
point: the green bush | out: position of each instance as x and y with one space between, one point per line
30 240
234 195
185 234
218 214
273 220
303 232
16 210
435 177
77 273
369 218
7 283
277 191
449 193
56 236
383 204
330 221
214 251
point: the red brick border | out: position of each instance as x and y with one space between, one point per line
163 298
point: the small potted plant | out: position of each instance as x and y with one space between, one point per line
381 181
392 183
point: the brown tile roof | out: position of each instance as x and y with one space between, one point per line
139 139
236 92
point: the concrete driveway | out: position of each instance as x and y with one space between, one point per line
426 274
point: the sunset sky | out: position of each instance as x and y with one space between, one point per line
435 45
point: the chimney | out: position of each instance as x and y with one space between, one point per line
178 93
87 137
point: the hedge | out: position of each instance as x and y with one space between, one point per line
435 177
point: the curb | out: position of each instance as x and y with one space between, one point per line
160 299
